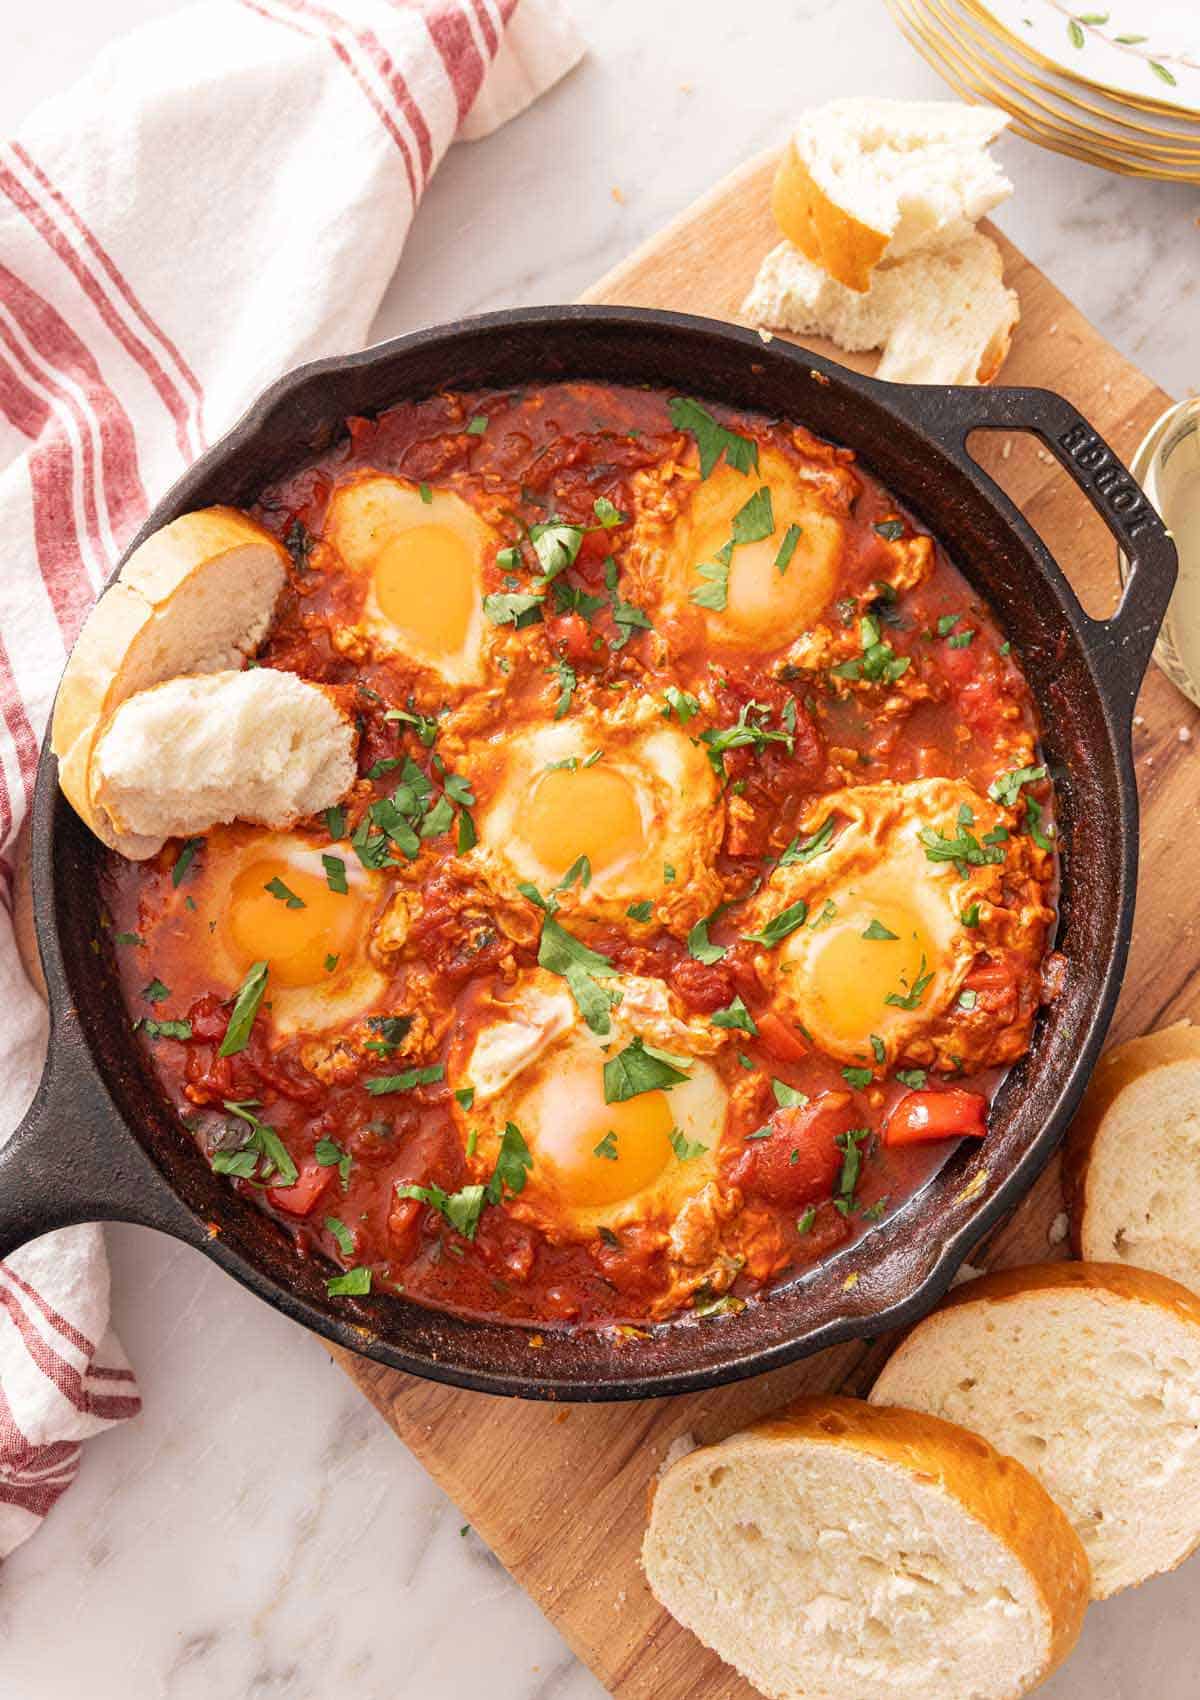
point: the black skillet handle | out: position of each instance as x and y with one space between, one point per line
67 1163
1129 634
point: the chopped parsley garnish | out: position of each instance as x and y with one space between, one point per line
385 764
685 1149
155 992
805 1221
714 592
439 819
683 703
335 874
642 911
567 681
462 1209
581 870
393 1029
607 1147
335 822
713 440
355 1283
912 1077
556 543
968 999
877 930
700 945
964 849
787 1097
264 1142
946 623
1007 788
970 917
128 938
778 928
745 733
478 425
878 1048
880 664
787 548
960 640
736 1015
185 858
850 1145
284 893
330 1155
625 614
517 608
1033 818
513 1163
812 847
465 1095
892 530
468 838
342 1234
404 1082
425 725
561 953
245 1008
425 493
912 998
642 1068
331 963
167 1029
607 514
858 1078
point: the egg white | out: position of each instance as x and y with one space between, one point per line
369 512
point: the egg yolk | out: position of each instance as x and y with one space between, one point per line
761 602
296 939
425 585
600 1153
853 966
590 812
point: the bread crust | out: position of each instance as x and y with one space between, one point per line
830 237
1117 1280
1118 1068
102 665
997 1491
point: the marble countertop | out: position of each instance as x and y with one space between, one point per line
258 1533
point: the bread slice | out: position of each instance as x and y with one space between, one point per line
1132 1167
940 318
843 1552
1089 1374
196 597
260 746
865 179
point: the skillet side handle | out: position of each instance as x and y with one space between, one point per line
1130 633
70 1160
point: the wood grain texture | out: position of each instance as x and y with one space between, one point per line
559 1492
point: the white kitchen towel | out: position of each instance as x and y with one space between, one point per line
226 194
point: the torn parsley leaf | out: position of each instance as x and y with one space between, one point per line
556 545
354 1283
685 1149
916 992
284 893
787 1097
876 930
701 946
712 440
787 548
642 1068
405 1081
513 1163
778 928
561 953
683 703
813 846
1007 788
245 1008
567 681
736 1015
513 608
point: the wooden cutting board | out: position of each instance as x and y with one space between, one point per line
559 1492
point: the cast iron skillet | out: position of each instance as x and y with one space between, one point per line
100 1140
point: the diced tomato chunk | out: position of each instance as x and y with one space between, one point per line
797 1162
299 1198
779 1038
569 632
926 1116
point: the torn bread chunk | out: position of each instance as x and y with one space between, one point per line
941 318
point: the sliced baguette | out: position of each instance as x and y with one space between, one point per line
260 746
864 179
1132 1167
844 1552
1088 1374
940 318
196 597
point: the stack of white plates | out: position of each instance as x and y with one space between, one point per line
1115 83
